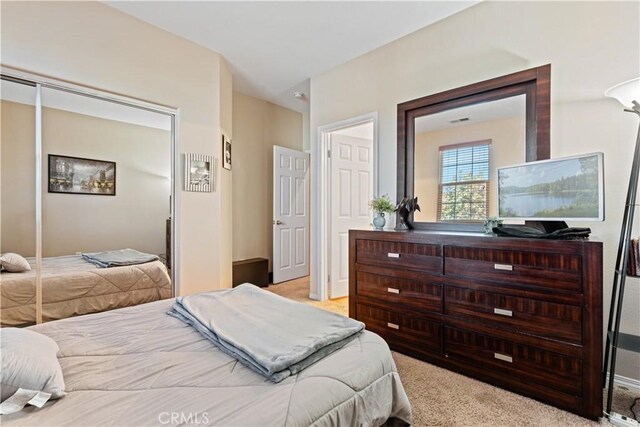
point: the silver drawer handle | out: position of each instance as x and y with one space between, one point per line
393 290
393 325
505 267
393 255
502 312
503 357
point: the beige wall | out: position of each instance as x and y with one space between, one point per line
225 242
257 126
133 218
507 148
91 44
306 133
590 45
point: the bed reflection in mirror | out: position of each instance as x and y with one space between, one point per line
456 154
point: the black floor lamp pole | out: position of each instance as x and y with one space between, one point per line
620 274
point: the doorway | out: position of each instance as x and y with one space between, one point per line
290 214
347 182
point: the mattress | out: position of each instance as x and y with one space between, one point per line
72 286
138 366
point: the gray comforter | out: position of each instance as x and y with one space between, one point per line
272 335
139 367
119 258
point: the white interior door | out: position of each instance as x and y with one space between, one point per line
351 191
290 214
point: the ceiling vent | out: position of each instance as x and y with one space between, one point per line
463 119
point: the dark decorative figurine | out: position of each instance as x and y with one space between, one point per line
404 209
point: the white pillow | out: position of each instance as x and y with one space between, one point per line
29 360
14 263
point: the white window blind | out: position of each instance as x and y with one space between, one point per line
463 193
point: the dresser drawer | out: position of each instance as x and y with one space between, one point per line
401 330
530 364
550 320
531 269
417 294
413 256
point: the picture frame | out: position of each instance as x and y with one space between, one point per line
198 172
226 152
79 175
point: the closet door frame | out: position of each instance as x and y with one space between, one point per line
39 81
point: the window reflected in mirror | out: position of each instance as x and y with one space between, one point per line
463 191
457 152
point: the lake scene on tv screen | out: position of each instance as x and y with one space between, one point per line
559 189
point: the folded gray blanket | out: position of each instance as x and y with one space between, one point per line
272 335
118 258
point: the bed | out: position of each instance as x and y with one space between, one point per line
138 366
73 286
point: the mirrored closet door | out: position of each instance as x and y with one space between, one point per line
87 185
106 179
17 203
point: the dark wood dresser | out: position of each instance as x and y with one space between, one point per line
523 314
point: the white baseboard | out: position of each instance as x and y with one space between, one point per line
626 382
317 298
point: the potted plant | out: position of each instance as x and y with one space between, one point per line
381 205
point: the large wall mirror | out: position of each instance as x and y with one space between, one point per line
450 144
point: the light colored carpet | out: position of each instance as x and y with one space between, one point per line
443 398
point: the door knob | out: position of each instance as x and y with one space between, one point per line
277 222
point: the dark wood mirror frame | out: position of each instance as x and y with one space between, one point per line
535 83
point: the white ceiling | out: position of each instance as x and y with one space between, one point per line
476 113
275 47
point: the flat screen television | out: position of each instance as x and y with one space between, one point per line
563 189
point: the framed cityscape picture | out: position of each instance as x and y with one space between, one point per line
76 175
